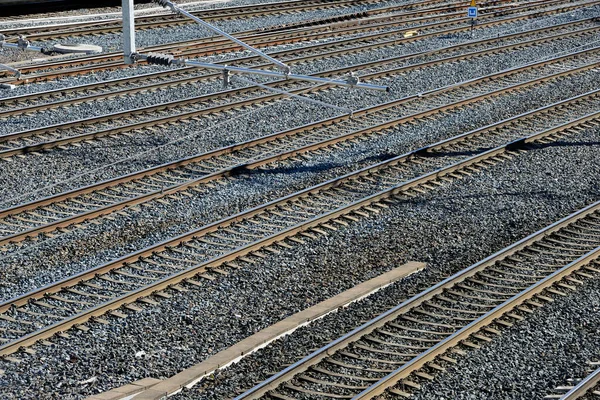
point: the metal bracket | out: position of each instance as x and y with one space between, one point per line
23 43
135 57
11 69
226 77
131 56
353 79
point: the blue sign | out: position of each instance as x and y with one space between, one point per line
472 13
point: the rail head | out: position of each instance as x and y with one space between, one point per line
451 341
301 365
583 387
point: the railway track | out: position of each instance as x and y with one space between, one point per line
264 37
36 102
586 388
74 132
207 46
396 352
241 238
383 27
399 350
413 9
162 19
196 173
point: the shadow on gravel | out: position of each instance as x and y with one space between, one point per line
243 170
540 194
563 144
442 154
309 168
529 146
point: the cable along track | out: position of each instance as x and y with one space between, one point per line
184 177
524 12
406 345
75 132
238 239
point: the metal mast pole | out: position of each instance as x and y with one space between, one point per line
128 31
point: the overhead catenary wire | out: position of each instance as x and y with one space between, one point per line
158 148
296 96
351 81
178 10
134 157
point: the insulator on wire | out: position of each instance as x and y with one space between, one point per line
226 78
164 3
353 79
160 59
22 42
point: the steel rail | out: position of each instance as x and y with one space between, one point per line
280 64
314 358
312 223
194 51
217 108
474 327
103 28
236 147
212 46
581 389
119 64
205 46
178 81
372 13
328 121
484 7
354 42
252 164
218 45
58 30
283 53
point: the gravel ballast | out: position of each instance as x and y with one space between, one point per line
450 228
151 37
57 166
448 212
532 358
80 250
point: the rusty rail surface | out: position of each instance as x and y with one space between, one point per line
114 60
272 156
318 223
465 328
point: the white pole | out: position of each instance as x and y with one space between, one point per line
128 31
